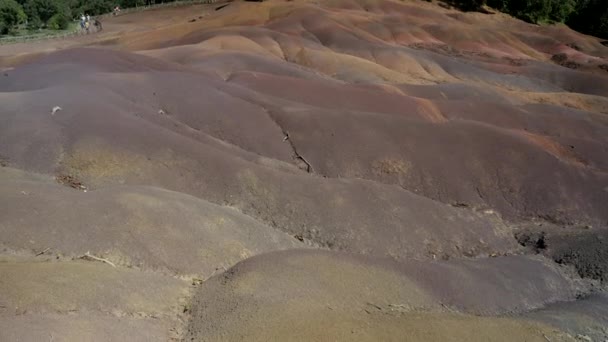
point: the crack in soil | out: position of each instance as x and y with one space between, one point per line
299 160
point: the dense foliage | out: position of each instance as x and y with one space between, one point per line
535 11
588 16
591 17
56 14
11 14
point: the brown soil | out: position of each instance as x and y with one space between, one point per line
305 170
351 298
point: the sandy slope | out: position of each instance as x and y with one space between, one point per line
308 295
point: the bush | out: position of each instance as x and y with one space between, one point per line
40 12
11 15
562 9
95 7
535 11
132 3
587 16
469 5
34 23
532 11
501 5
59 21
590 17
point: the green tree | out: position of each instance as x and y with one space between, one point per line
535 11
501 5
590 17
40 12
59 21
469 5
561 10
132 3
532 11
95 7
11 15
135 3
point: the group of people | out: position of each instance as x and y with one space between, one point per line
85 23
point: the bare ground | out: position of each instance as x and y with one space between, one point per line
336 170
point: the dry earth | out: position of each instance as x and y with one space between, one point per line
332 170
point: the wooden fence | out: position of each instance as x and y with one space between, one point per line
35 37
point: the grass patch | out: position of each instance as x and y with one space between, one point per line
25 34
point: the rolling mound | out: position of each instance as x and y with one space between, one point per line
352 170
130 225
303 296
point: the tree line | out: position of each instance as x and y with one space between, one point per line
56 14
587 16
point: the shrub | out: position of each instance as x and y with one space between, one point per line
11 15
472 5
95 7
561 10
535 11
469 5
40 12
59 21
591 17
